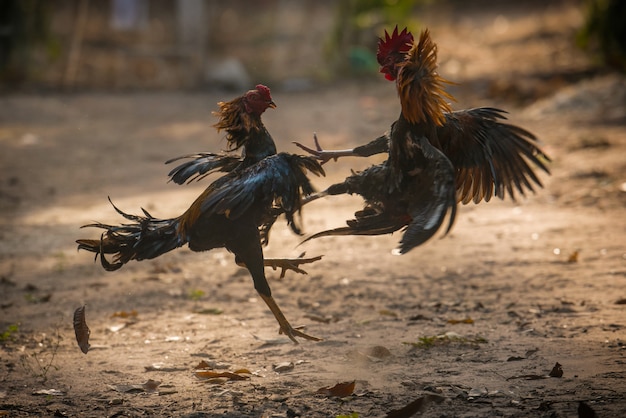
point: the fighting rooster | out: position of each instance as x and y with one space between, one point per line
233 212
436 157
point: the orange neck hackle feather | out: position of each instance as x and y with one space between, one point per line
234 119
420 87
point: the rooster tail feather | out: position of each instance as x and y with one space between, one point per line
145 238
354 230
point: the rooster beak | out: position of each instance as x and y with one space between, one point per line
271 104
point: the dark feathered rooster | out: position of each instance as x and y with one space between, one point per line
241 119
233 212
436 156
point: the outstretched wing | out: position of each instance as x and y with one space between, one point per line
490 157
279 180
201 165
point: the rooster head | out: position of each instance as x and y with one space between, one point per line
392 51
258 100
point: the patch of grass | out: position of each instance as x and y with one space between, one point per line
352 415
40 362
9 332
196 294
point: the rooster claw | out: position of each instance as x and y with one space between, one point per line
320 154
293 332
290 263
285 326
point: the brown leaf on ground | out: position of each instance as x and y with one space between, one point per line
340 390
557 371
202 365
460 321
573 257
151 385
208 374
414 407
81 329
125 314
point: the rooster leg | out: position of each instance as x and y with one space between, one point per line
321 154
285 327
247 249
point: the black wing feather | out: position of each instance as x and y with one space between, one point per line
201 165
491 157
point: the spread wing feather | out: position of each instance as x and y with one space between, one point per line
201 165
490 157
278 180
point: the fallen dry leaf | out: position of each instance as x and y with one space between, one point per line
557 371
460 321
203 365
414 407
573 257
81 329
151 385
340 390
124 314
207 374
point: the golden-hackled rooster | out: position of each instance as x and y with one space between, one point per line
436 156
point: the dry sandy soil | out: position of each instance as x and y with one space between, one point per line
473 323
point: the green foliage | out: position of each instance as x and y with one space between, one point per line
196 294
26 31
604 32
352 415
351 46
9 333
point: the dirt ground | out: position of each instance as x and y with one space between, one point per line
477 318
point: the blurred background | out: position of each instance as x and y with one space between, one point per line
193 44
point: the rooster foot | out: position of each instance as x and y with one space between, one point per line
285 326
290 263
292 333
321 154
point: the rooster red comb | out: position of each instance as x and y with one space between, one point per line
396 43
264 91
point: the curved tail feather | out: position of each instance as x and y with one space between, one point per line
145 238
